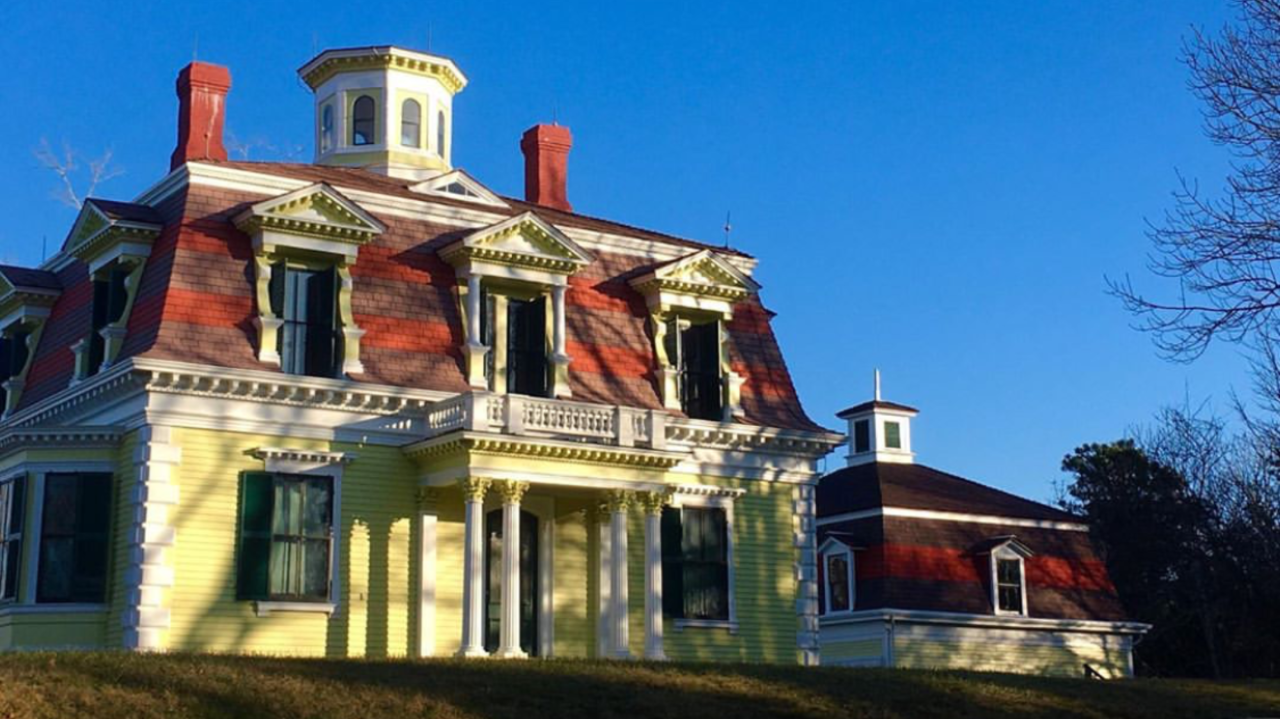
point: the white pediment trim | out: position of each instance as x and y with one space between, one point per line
525 240
701 272
316 209
458 185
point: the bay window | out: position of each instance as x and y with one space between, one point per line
73 538
12 512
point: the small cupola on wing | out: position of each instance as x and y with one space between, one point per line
879 431
386 109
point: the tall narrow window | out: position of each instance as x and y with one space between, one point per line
286 537
695 544
326 127
527 346
73 538
12 511
362 121
13 357
440 133
109 300
861 436
838 581
411 124
694 350
306 301
1009 587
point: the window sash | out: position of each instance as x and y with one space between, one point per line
109 299
892 435
861 436
305 301
697 361
411 124
1009 589
12 512
73 538
838 568
704 560
293 533
363 114
527 366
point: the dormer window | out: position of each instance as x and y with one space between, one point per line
109 299
693 348
411 124
839 587
326 127
305 300
1008 575
515 331
13 359
362 121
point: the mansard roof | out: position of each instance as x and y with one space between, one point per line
195 302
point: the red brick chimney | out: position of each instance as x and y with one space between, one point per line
546 165
202 107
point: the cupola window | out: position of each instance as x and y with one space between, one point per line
411 124
326 128
362 125
440 133
893 435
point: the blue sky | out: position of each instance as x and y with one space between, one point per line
936 189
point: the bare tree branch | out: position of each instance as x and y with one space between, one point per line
65 166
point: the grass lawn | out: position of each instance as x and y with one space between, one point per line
108 685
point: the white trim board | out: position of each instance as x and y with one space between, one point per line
952 517
986 620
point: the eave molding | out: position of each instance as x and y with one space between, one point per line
15 439
508 446
986 621
732 436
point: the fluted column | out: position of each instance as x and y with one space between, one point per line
617 502
509 630
473 491
653 502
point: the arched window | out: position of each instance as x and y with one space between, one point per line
411 124
362 121
440 133
326 128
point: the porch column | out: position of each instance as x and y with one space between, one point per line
473 490
509 631
617 502
653 503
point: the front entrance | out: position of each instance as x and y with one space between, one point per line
528 597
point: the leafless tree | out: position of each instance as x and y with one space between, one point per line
242 149
1223 250
67 167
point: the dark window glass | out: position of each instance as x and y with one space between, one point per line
326 128
286 524
1009 585
13 357
528 582
488 308
440 133
861 436
893 435
109 299
527 346
696 356
12 512
306 302
701 563
73 538
362 121
838 583
411 124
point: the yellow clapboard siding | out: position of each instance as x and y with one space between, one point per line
574 631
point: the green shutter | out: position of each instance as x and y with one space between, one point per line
672 564
256 499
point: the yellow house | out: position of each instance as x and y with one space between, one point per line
368 407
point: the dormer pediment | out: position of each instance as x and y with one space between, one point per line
26 295
700 280
1005 545
106 231
315 218
521 247
458 185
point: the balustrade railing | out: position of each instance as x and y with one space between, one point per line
552 418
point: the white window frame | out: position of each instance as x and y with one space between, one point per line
312 464
1005 552
6 536
680 501
840 549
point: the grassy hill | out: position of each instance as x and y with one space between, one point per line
109 685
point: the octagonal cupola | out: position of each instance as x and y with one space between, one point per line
879 431
386 109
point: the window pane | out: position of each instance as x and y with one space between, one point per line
362 126
288 508
861 436
699 371
1007 571
1010 599
59 517
12 567
838 582
315 521
315 562
892 435
285 568
440 133
326 128
56 554
410 124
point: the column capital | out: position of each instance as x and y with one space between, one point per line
512 491
474 488
617 500
653 502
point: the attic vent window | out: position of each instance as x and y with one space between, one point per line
457 188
